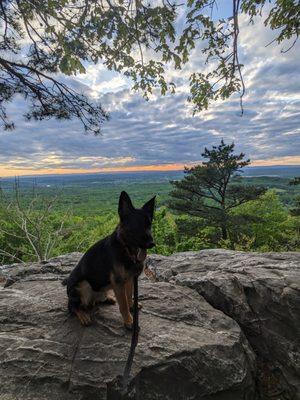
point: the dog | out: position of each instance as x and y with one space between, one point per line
112 263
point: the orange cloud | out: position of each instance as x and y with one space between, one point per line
287 160
6 172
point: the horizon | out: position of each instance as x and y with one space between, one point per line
108 171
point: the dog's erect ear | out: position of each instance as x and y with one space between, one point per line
125 205
149 207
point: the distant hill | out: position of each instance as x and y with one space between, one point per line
117 178
281 171
89 194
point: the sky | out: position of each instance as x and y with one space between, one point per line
162 133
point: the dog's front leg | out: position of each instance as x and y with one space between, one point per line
129 292
120 293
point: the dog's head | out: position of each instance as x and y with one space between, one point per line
136 223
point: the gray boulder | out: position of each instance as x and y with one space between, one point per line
187 349
261 292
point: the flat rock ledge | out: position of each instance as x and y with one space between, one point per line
261 292
216 325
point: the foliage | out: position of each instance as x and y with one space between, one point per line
138 38
63 35
212 190
29 230
83 232
263 224
296 209
295 212
295 181
164 232
269 227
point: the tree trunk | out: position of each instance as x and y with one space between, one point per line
224 220
224 233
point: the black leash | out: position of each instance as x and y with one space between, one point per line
134 337
118 389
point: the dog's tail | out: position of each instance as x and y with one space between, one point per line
64 282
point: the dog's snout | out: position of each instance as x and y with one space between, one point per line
147 240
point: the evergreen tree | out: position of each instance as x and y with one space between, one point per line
214 188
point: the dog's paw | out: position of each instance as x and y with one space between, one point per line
110 300
128 327
84 317
128 322
105 300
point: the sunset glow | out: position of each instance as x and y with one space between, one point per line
7 172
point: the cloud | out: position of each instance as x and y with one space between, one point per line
45 161
99 80
163 130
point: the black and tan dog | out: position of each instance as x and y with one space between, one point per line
111 263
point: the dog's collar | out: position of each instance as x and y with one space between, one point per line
136 254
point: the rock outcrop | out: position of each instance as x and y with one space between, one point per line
261 292
216 325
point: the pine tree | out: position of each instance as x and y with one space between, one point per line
211 190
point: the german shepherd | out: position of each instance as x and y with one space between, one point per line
111 264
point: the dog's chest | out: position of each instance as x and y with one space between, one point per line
123 272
